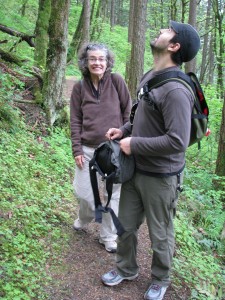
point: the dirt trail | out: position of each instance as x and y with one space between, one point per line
69 86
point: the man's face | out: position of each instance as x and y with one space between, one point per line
161 43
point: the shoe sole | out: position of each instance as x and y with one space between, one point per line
79 229
148 298
122 279
108 250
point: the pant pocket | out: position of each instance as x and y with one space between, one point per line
173 203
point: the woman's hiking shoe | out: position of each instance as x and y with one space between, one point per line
77 225
113 278
155 292
111 247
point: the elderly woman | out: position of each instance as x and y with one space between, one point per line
100 100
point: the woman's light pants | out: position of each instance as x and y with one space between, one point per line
83 192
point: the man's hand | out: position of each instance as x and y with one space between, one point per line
79 161
114 133
125 145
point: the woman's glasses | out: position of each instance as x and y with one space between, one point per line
93 60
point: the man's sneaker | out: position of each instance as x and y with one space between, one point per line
77 225
109 246
113 278
155 292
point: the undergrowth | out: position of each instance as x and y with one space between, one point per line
36 202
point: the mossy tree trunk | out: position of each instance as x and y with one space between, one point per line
74 45
41 41
41 33
56 60
82 33
220 163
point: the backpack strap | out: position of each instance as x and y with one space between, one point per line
183 78
168 76
94 183
99 209
162 79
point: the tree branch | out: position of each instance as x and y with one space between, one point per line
23 36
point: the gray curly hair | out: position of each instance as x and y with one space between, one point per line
83 56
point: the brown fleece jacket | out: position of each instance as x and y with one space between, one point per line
93 112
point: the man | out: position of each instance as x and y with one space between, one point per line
159 138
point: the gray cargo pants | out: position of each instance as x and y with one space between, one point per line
154 198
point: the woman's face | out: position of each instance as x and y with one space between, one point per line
97 62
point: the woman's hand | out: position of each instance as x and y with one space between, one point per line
79 161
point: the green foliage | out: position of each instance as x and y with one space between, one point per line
116 41
13 11
36 194
10 88
198 269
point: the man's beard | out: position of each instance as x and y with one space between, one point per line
157 49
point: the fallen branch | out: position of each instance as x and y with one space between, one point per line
24 101
21 35
34 72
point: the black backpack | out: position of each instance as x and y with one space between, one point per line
114 166
200 112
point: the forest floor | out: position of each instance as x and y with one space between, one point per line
77 273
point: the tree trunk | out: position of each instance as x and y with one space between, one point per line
173 10
85 37
92 11
191 65
74 45
183 10
219 14
97 28
56 59
220 162
130 35
204 64
104 9
112 15
211 59
41 42
120 13
41 33
138 47
131 24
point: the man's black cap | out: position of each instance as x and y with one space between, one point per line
188 39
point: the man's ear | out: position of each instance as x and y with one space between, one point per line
174 47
